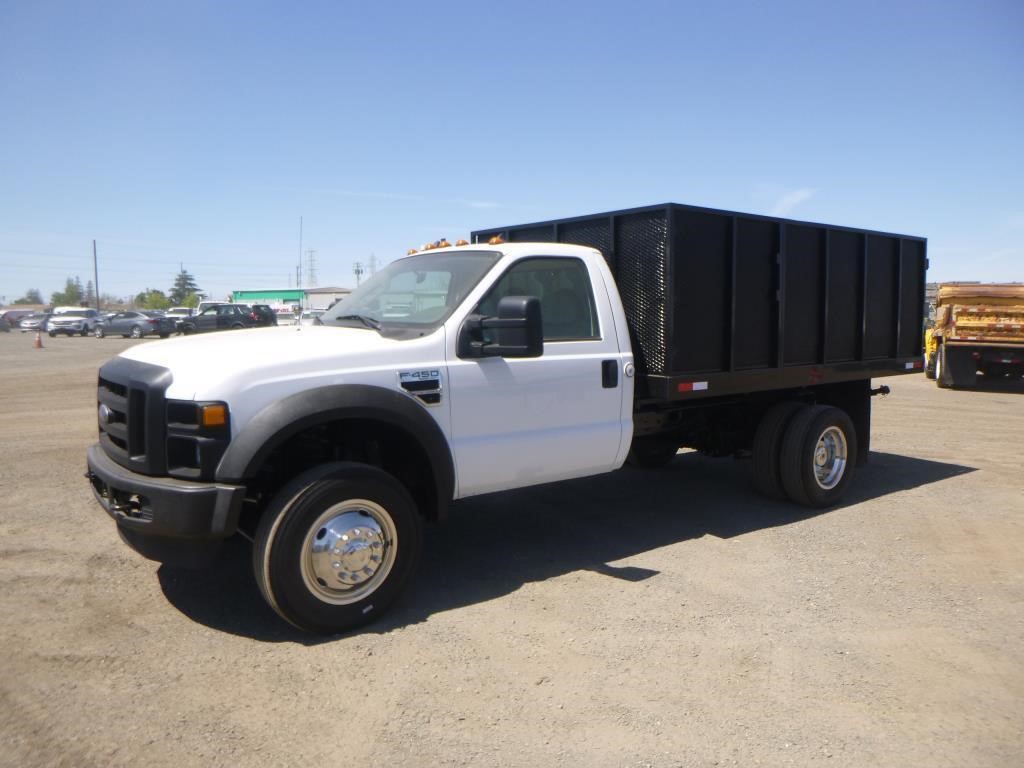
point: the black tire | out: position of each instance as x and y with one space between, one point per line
651 452
318 506
929 366
237 327
53 334
136 332
941 369
187 329
99 333
767 447
817 436
84 332
164 335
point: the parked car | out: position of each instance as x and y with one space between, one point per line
35 322
263 315
136 325
220 317
310 316
80 321
14 316
179 314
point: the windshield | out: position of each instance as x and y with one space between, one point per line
76 313
412 296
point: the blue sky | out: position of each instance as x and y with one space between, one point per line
198 133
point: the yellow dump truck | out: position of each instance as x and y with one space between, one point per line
979 328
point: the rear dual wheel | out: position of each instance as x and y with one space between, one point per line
336 546
818 455
805 453
768 445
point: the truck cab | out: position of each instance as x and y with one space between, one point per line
452 372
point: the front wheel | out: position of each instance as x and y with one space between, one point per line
336 546
53 334
136 332
99 333
819 451
940 368
929 366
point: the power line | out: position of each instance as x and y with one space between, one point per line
311 268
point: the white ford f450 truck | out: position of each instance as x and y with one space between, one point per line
540 353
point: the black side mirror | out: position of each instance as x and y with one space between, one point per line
518 331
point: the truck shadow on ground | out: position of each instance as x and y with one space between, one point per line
1000 385
493 545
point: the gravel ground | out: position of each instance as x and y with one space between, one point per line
669 618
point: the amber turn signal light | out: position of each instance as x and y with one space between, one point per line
213 415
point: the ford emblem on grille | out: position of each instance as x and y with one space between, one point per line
105 414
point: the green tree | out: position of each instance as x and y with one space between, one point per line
89 297
32 296
192 301
184 284
71 296
151 298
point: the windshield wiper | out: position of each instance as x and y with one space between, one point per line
369 322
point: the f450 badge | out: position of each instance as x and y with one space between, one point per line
408 377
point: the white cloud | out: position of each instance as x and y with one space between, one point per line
788 201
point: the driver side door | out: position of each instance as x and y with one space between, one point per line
524 421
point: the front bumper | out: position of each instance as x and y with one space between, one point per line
174 521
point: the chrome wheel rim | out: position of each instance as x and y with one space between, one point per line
349 551
830 458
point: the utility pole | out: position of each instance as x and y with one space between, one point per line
357 270
298 267
311 268
95 275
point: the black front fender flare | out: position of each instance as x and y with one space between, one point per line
291 415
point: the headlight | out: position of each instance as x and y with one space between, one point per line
197 436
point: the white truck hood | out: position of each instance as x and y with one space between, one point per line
266 363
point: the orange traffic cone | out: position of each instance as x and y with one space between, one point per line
39 341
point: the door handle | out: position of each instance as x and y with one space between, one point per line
609 374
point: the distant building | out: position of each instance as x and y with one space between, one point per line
307 298
322 298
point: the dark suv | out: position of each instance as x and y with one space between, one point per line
263 315
220 317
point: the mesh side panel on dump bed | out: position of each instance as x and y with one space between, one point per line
641 256
545 234
597 233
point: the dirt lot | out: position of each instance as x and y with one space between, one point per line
669 618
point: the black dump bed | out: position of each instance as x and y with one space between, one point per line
724 303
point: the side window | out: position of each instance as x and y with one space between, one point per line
563 287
